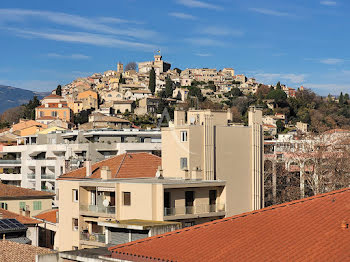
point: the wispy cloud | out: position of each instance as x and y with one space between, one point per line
199 4
332 61
89 24
273 77
81 37
328 3
203 54
220 31
72 56
203 41
183 16
271 12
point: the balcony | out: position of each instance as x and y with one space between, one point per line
10 177
93 237
10 162
48 176
30 176
98 209
191 210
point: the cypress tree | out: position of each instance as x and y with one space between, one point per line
152 81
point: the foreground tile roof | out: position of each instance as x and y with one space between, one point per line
15 252
49 215
310 229
129 165
22 219
9 191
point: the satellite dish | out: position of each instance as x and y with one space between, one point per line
105 203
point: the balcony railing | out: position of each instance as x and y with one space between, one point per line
31 176
10 161
98 209
198 209
48 189
48 176
94 237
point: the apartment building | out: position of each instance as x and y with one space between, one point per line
39 159
126 198
206 146
53 107
209 169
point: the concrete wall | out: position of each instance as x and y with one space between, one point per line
68 210
13 205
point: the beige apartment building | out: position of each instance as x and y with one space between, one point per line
209 169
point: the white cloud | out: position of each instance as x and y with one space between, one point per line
89 24
72 56
266 11
332 61
328 3
272 78
220 31
202 41
81 37
183 16
198 4
203 54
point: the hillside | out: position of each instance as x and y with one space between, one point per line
12 97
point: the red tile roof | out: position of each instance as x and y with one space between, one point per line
53 105
22 219
53 96
16 252
310 229
129 165
9 192
48 215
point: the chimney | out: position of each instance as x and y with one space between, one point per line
159 173
344 225
46 105
106 173
197 173
59 105
88 166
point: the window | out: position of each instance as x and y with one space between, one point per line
189 224
3 206
22 205
183 162
37 205
183 136
75 224
126 198
54 113
75 195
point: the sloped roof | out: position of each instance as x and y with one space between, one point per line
53 96
9 191
16 252
129 165
310 229
22 219
48 215
25 124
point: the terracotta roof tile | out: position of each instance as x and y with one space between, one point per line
129 165
48 215
9 191
15 252
22 219
310 229
53 96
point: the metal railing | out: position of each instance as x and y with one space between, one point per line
94 237
31 176
10 161
98 209
198 209
48 176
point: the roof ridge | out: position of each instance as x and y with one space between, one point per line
254 212
120 166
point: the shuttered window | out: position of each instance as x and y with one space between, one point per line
37 205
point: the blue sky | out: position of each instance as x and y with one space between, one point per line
45 43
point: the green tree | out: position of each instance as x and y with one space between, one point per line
278 95
59 90
121 79
236 91
278 85
152 80
29 109
341 99
280 126
168 87
346 97
196 92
